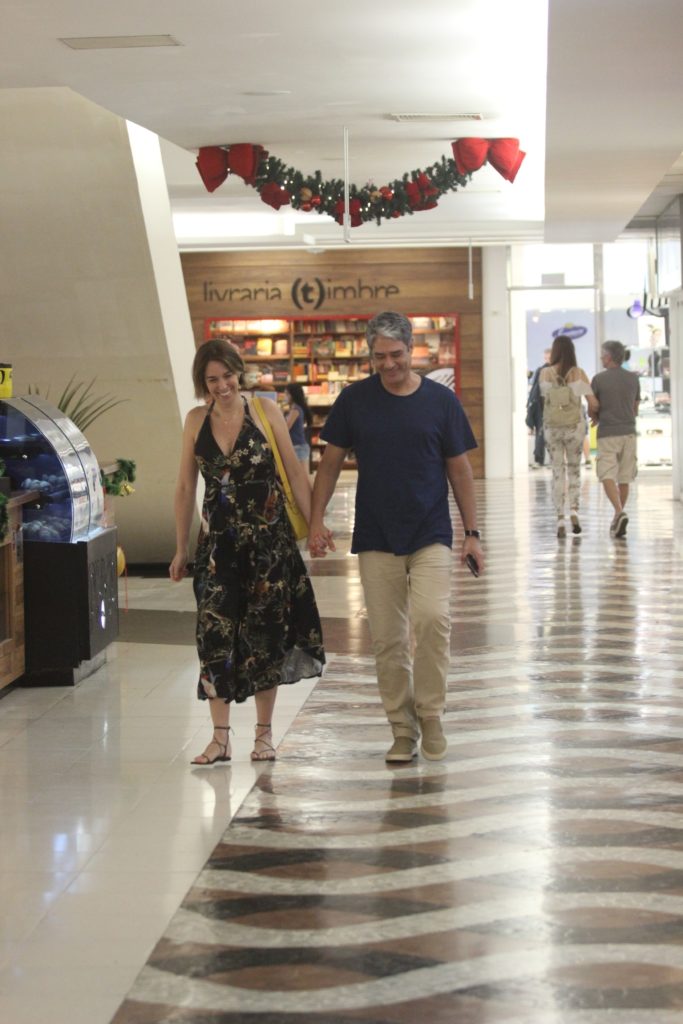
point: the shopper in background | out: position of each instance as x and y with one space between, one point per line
298 419
410 436
618 393
257 624
562 385
534 414
587 461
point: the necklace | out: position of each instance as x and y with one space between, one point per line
230 421
234 415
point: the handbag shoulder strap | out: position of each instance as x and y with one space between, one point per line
270 436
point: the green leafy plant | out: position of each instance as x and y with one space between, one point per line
80 405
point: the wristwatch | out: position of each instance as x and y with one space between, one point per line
473 533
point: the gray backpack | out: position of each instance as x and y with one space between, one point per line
561 407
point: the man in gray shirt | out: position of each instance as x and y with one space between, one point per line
618 393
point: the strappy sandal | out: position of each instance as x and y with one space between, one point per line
263 747
222 754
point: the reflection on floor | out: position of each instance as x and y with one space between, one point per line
536 875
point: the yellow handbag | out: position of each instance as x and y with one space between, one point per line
294 514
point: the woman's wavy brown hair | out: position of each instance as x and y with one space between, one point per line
220 351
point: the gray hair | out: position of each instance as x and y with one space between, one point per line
616 351
390 325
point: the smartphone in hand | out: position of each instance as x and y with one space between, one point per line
472 564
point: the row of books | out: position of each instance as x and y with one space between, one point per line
330 326
264 347
253 326
330 369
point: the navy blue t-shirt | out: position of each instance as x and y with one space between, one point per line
400 443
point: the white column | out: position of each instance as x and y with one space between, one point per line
166 266
504 373
675 341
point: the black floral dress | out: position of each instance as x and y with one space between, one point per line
257 622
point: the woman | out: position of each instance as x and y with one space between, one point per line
298 418
564 426
257 622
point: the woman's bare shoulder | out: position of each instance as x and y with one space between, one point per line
198 412
195 417
271 409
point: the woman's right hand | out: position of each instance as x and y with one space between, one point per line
177 570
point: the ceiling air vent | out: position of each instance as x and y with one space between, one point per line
427 118
117 42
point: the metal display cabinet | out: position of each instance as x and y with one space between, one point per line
70 578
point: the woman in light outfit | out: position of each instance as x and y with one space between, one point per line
565 443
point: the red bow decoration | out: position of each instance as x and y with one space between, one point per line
244 158
212 164
274 195
420 192
503 154
354 212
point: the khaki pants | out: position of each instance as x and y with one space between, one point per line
404 591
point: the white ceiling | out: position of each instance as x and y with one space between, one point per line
614 92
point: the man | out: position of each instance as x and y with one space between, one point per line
410 436
618 393
534 413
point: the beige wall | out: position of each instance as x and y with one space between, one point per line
79 294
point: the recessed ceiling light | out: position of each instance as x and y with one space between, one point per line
117 42
411 118
267 92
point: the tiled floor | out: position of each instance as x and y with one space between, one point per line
536 875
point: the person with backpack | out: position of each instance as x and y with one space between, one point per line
563 384
534 413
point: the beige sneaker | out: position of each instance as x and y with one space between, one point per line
404 748
434 743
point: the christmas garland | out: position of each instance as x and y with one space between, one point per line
119 482
280 185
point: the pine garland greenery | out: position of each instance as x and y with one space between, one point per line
281 185
417 190
119 482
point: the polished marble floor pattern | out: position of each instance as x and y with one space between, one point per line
535 875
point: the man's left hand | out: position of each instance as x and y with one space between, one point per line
472 546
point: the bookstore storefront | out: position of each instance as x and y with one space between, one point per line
300 317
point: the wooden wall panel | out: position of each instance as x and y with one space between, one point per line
347 283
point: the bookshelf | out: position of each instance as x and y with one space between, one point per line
265 345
